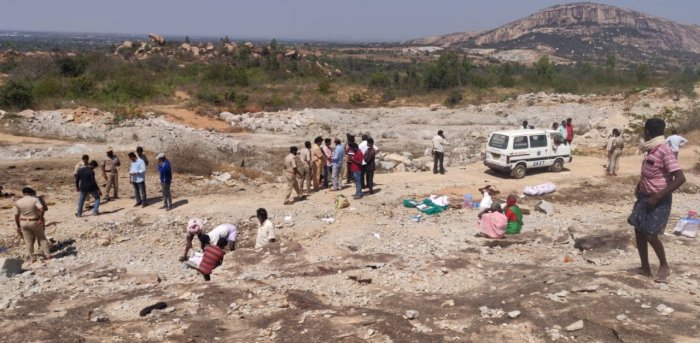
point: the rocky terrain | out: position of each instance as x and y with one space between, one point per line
366 273
581 30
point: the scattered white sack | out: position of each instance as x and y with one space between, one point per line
440 200
542 189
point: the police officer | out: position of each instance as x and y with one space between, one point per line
29 218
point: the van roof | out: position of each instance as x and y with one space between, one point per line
523 132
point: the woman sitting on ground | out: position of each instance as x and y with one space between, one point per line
514 216
492 222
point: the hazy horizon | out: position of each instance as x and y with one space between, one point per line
330 20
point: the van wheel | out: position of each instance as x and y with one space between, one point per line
558 165
519 171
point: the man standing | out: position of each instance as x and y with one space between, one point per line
348 162
615 146
363 147
327 155
317 163
29 219
82 164
166 178
675 142
439 143
369 159
266 230
141 155
110 171
337 159
137 173
525 124
292 172
86 184
356 169
660 177
304 167
563 132
569 131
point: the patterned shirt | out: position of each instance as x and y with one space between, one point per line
657 167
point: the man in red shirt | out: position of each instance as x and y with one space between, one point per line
569 131
356 168
661 176
212 258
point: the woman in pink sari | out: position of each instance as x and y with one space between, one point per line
492 222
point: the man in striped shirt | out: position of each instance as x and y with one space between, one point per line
660 177
212 258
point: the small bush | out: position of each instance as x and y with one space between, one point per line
17 95
356 98
189 158
324 87
454 99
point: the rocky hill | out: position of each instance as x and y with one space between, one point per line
586 30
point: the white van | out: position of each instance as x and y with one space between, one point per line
516 151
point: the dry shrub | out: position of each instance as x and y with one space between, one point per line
189 158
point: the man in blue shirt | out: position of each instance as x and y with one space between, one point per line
166 178
337 163
137 174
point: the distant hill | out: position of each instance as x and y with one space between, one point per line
585 31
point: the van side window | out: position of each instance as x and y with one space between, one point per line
520 143
538 141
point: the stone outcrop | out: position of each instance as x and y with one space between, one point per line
578 29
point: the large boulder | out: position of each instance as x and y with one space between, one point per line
27 114
399 159
156 39
185 46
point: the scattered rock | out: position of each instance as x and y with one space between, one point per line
621 317
490 313
545 207
27 114
97 315
411 314
224 177
156 39
586 288
664 310
105 242
575 326
448 303
514 314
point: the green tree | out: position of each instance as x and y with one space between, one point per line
544 68
611 62
187 39
641 72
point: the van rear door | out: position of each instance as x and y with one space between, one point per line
497 149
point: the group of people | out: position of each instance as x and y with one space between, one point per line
214 243
321 165
565 130
87 186
496 220
616 144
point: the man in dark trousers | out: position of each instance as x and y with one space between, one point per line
166 178
85 184
370 157
439 143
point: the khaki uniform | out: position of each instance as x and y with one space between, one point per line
290 163
317 161
110 167
29 210
615 146
304 168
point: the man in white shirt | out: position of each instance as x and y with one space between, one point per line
439 143
266 231
137 174
675 142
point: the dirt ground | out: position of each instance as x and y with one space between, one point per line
352 280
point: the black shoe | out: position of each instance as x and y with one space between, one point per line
138 204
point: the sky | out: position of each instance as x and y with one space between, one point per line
346 20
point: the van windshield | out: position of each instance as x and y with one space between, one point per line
499 141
